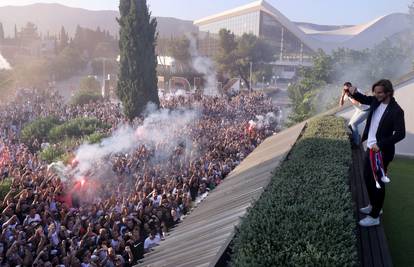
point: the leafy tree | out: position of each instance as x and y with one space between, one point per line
90 84
31 72
179 49
85 97
386 61
137 84
29 33
304 93
69 62
236 54
38 129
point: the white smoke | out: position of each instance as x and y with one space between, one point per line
264 121
4 65
205 66
160 130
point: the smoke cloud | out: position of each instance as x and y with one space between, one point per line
4 65
161 129
204 66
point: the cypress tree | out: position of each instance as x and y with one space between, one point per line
137 84
1 32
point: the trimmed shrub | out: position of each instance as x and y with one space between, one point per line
305 216
85 97
51 154
95 138
90 84
5 186
76 128
38 129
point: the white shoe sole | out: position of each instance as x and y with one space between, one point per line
367 213
369 225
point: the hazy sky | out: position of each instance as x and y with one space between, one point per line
316 11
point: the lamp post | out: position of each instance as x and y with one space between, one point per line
250 79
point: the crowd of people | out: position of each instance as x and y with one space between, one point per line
47 221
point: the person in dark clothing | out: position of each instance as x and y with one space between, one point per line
384 128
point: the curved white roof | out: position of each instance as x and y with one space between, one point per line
356 37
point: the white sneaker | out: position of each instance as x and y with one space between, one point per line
385 179
369 221
367 210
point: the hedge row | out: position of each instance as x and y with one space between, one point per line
63 151
305 216
85 97
38 129
51 130
76 128
5 186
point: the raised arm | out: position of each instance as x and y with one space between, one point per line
361 98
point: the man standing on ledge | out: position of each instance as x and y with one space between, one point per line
384 128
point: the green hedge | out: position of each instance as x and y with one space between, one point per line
305 216
5 186
76 128
38 129
85 97
51 154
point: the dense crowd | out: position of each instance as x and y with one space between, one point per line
46 221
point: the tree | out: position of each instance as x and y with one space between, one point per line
179 49
29 33
90 84
137 84
236 55
1 32
304 94
69 62
64 39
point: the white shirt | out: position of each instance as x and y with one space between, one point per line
148 243
373 128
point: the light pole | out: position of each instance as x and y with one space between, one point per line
250 79
263 80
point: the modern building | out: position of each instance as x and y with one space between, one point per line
263 20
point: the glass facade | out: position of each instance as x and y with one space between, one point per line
246 23
285 44
281 39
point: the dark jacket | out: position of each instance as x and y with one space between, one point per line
391 128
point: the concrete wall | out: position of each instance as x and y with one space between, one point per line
404 94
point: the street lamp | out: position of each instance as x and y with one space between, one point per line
250 79
263 80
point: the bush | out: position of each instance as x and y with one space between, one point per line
38 129
85 97
95 138
5 186
305 216
51 154
90 84
76 128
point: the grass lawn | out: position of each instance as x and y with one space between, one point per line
399 212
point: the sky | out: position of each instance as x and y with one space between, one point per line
333 12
